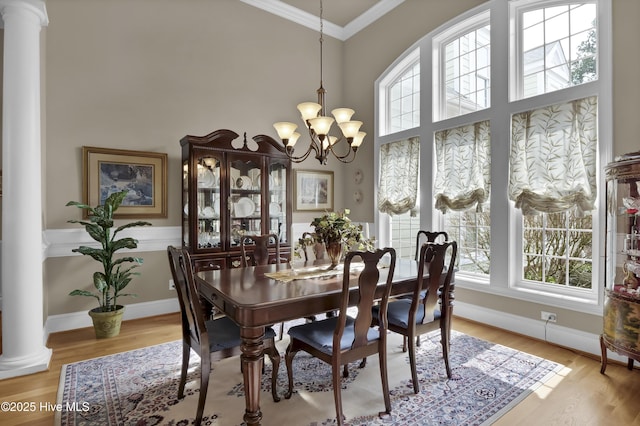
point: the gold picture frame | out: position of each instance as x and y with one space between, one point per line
143 174
313 190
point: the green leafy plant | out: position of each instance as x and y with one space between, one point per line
117 273
336 227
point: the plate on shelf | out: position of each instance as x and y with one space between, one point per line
186 209
244 207
208 212
274 209
243 182
206 179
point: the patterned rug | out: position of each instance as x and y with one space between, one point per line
140 387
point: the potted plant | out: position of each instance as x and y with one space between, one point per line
337 232
116 273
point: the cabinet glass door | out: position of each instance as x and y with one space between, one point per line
277 185
208 206
245 201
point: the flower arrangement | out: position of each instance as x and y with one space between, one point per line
336 228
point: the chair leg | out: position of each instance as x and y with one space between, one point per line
186 353
288 359
412 362
444 338
274 356
281 330
205 372
404 343
384 376
363 363
337 393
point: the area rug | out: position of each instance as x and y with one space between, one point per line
140 387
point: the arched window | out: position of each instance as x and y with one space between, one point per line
488 78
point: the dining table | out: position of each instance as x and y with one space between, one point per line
260 296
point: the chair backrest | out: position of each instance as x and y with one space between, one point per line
255 249
367 285
431 237
317 249
193 325
434 256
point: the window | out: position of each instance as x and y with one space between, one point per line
399 91
559 62
557 46
400 94
404 100
557 249
462 188
467 72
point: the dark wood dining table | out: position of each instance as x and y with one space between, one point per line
253 301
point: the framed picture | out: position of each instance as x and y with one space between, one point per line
142 174
313 190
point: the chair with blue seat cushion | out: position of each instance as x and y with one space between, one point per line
417 315
212 339
343 339
429 237
424 237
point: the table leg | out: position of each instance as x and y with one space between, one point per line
252 348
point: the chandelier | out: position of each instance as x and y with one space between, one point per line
319 125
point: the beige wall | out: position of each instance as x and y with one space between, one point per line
140 74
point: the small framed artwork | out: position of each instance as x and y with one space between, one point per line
142 174
313 190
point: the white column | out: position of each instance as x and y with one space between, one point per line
23 349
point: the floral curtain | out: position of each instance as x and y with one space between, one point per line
398 187
552 166
463 167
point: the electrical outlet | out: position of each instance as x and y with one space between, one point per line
172 285
548 316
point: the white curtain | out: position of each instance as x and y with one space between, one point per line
398 186
553 163
463 167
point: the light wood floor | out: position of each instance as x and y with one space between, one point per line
581 397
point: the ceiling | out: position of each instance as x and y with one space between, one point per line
342 18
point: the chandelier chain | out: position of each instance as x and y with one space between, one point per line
321 39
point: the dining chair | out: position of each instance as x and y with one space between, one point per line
212 339
317 249
255 249
423 236
343 339
417 315
429 237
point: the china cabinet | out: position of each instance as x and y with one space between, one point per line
621 331
232 188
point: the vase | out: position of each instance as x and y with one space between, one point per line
334 251
107 323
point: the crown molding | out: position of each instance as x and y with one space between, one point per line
309 20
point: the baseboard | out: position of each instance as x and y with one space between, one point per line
73 320
537 329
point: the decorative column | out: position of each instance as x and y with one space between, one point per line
23 349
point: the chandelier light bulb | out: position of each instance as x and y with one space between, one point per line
350 128
321 125
285 129
357 140
342 114
293 139
309 110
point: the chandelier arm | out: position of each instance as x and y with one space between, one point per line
341 157
300 158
